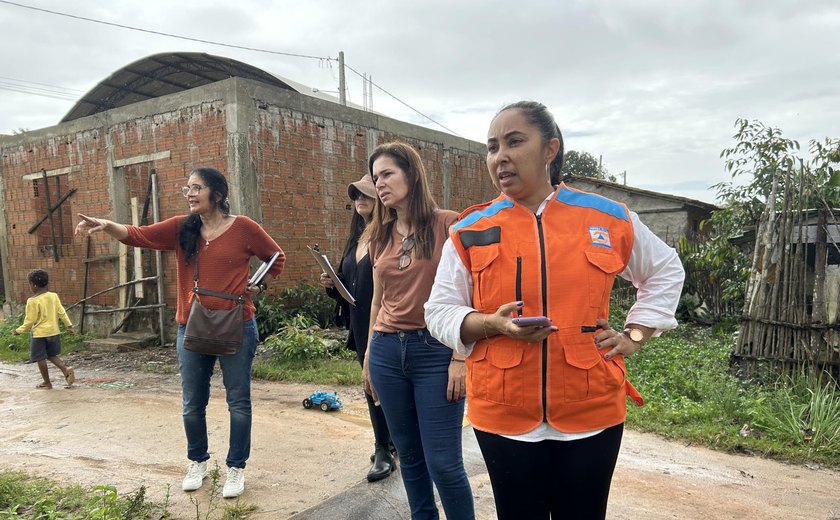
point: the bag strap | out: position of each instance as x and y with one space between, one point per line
197 290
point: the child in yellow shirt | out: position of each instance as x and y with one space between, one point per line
43 310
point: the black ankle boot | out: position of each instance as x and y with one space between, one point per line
383 464
391 448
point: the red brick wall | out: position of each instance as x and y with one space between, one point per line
303 163
194 136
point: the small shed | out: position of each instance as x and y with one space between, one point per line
670 217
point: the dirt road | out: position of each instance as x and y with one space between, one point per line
121 425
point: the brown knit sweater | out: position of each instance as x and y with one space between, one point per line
223 266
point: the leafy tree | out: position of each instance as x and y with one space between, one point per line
584 164
760 159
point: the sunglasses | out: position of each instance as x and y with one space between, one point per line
359 195
405 256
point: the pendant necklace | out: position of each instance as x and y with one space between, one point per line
207 240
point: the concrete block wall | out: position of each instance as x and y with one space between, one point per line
288 157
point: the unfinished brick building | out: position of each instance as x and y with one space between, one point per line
288 156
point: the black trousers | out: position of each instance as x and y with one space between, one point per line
551 479
381 434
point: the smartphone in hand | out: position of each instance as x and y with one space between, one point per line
532 321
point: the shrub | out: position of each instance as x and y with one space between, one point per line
305 299
299 339
802 410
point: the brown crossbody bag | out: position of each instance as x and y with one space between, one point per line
213 332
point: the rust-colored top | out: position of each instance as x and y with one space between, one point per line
223 265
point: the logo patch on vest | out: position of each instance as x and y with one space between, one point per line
600 236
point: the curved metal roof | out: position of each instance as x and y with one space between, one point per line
162 74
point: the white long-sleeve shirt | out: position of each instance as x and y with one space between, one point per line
653 268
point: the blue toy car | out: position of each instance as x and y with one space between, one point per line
326 401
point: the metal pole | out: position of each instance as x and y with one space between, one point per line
341 85
158 258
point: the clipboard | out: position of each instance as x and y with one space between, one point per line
325 266
262 270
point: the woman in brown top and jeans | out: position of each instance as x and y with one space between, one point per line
418 380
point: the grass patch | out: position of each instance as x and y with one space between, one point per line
15 349
302 352
22 496
325 372
692 395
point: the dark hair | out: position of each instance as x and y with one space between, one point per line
190 230
539 116
357 227
421 205
39 278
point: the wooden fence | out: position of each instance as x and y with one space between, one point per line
790 318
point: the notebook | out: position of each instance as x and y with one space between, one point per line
260 273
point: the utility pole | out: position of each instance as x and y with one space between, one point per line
370 94
624 174
342 96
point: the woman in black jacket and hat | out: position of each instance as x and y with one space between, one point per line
356 273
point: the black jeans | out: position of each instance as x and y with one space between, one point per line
551 479
381 435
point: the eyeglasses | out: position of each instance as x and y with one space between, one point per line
405 256
186 190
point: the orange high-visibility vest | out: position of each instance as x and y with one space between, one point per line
562 264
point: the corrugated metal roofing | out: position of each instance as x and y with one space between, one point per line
163 74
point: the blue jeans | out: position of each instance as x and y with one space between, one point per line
410 372
196 371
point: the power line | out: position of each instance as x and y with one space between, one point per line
242 47
43 92
38 89
168 35
403 102
42 84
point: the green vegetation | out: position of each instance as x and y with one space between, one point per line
22 496
692 395
16 348
306 299
304 353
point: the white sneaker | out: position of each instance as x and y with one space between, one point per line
235 483
196 472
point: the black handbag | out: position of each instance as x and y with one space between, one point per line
213 332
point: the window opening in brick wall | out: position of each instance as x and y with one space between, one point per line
62 217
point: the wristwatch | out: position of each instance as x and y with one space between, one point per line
635 335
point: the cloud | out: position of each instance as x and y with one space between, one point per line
654 87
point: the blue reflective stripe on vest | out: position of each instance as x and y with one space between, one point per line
489 211
588 200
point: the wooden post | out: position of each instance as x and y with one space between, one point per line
138 253
84 287
818 308
158 257
49 205
122 266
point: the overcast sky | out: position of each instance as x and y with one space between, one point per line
652 86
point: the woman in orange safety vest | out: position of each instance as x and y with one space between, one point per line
547 401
